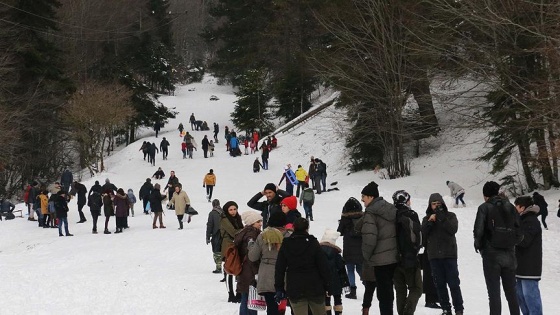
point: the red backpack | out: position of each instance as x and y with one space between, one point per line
233 264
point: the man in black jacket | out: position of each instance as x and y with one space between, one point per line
61 207
495 238
163 146
303 264
172 182
272 203
81 191
529 257
144 193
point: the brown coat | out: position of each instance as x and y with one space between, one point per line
249 268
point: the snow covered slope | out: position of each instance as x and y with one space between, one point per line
168 271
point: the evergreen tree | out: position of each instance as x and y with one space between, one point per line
251 110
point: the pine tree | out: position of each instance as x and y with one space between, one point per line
251 110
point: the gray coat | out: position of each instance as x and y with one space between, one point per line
213 229
267 256
455 189
379 235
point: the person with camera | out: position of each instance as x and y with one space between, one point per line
439 227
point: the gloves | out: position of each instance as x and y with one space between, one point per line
280 295
207 241
203 185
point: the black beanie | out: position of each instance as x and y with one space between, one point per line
352 205
371 190
270 186
229 204
277 219
491 189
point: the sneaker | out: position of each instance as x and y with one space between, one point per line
69 234
107 232
432 305
60 234
217 271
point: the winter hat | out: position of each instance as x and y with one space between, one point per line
371 190
120 191
229 204
330 236
148 180
447 183
215 203
301 225
270 186
400 197
352 205
277 219
290 201
491 189
211 171
157 186
251 216
96 182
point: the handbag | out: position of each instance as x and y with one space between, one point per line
190 210
255 301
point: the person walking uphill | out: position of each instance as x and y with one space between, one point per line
108 209
379 243
351 242
164 148
457 192
144 194
95 202
209 182
496 232
230 224
172 182
302 272
529 257
181 202
155 204
205 143
272 203
439 227
213 234
253 223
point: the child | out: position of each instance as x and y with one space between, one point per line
339 278
246 145
253 145
45 208
131 200
307 198
184 149
257 166
211 148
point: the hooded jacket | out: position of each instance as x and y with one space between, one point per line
339 278
351 240
379 234
529 251
265 249
440 235
145 190
249 269
302 267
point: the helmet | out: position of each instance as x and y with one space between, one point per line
400 197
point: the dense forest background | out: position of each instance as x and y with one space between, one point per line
79 77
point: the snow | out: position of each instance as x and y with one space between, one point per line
168 271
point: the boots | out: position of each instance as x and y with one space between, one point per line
365 311
106 232
338 310
328 310
180 225
231 297
352 294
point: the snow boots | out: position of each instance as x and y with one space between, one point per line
337 310
352 294
180 224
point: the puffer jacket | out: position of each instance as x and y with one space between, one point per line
339 278
180 201
351 240
249 268
379 234
440 235
209 179
266 253
529 251
455 189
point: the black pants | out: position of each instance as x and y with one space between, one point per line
205 153
164 153
493 271
94 216
107 223
543 220
446 274
385 294
209 190
145 204
82 216
428 286
368 293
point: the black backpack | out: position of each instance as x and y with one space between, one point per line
502 224
409 236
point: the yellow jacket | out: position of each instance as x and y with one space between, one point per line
44 204
209 179
301 174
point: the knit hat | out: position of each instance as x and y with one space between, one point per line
157 186
491 189
251 216
352 205
371 190
277 219
270 186
229 204
330 236
148 180
400 197
290 201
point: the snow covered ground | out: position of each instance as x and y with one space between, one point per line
168 271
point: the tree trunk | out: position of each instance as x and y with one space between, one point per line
420 88
525 154
553 152
543 160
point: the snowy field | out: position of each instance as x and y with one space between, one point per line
168 271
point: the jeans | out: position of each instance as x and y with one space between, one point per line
60 222
271 306
350 268
209 190
385 295
299 186
265 163
324 181
460 198
308 208
493 272
529 296
243 310
39 216
446 273
165 153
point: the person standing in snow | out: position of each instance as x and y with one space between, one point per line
213 234
184 149
180 128
272 203
95 188
157 127
230 224
289 185
164 147
109 186
108 209
61 207
264 156
307 198
216 131
66 179
209 182
321 174
339 278
301 177
528 254
538 199
121 210
351 242
181 202
257 165
156 197
131 200
95 202
289 207
205 143
144 194
152 154
192 120
457 192
211 147
81 191
439 227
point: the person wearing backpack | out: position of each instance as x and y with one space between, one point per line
407 277
339 279
529 257
496 232
213 234
351 242
230 224
95 202
307 198
131 200
439 227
